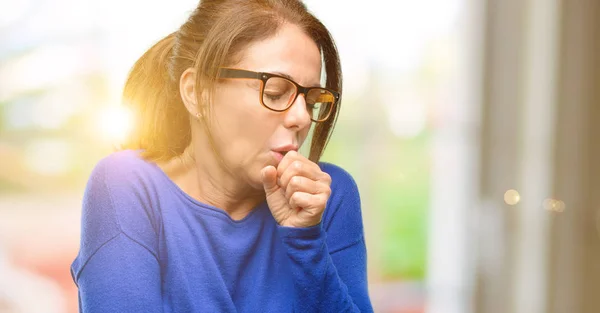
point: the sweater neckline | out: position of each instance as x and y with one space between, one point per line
202 206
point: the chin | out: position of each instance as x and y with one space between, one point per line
253 176
255 181
254 173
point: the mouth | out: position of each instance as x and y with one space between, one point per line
280 152
278 156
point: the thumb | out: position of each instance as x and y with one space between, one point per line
276 201
269 179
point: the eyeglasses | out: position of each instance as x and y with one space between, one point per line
278 93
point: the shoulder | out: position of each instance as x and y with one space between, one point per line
344 193
130 181
125 174
342 219
341 180
117 203
125 164
111 174
122 197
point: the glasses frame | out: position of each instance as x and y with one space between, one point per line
236 73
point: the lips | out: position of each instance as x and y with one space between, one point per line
278 156
281 151
286 148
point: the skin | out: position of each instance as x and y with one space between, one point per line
246 134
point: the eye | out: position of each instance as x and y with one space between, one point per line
273 96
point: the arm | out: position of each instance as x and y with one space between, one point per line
122 276
329 259
117 269
320 286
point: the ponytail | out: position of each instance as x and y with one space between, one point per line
161 122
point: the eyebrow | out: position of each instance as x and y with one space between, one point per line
292 79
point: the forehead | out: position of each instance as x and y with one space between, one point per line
290 52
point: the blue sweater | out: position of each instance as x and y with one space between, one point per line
146 246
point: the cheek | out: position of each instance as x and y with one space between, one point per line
244 127
303 134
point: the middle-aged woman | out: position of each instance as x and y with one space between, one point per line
211 208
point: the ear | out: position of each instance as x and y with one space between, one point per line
187 89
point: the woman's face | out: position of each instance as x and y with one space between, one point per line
249 136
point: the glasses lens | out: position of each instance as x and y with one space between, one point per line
278 93
319 102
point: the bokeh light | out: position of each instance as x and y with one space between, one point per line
512 197
554 205
115 123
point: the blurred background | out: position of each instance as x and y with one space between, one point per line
471 127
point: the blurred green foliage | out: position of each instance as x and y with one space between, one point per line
394 182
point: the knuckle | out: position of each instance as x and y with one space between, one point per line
295 181
316 187
297 165
323 200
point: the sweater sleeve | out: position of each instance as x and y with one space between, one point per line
117 269
328 260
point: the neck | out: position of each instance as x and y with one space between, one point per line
204 177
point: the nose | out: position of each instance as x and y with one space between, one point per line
297 115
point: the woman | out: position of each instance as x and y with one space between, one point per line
212 209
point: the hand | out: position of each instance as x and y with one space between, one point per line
297 191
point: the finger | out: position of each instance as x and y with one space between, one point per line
307 201
301 183
296 168
269 179
306 169
287 160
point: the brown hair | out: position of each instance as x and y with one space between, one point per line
214 34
